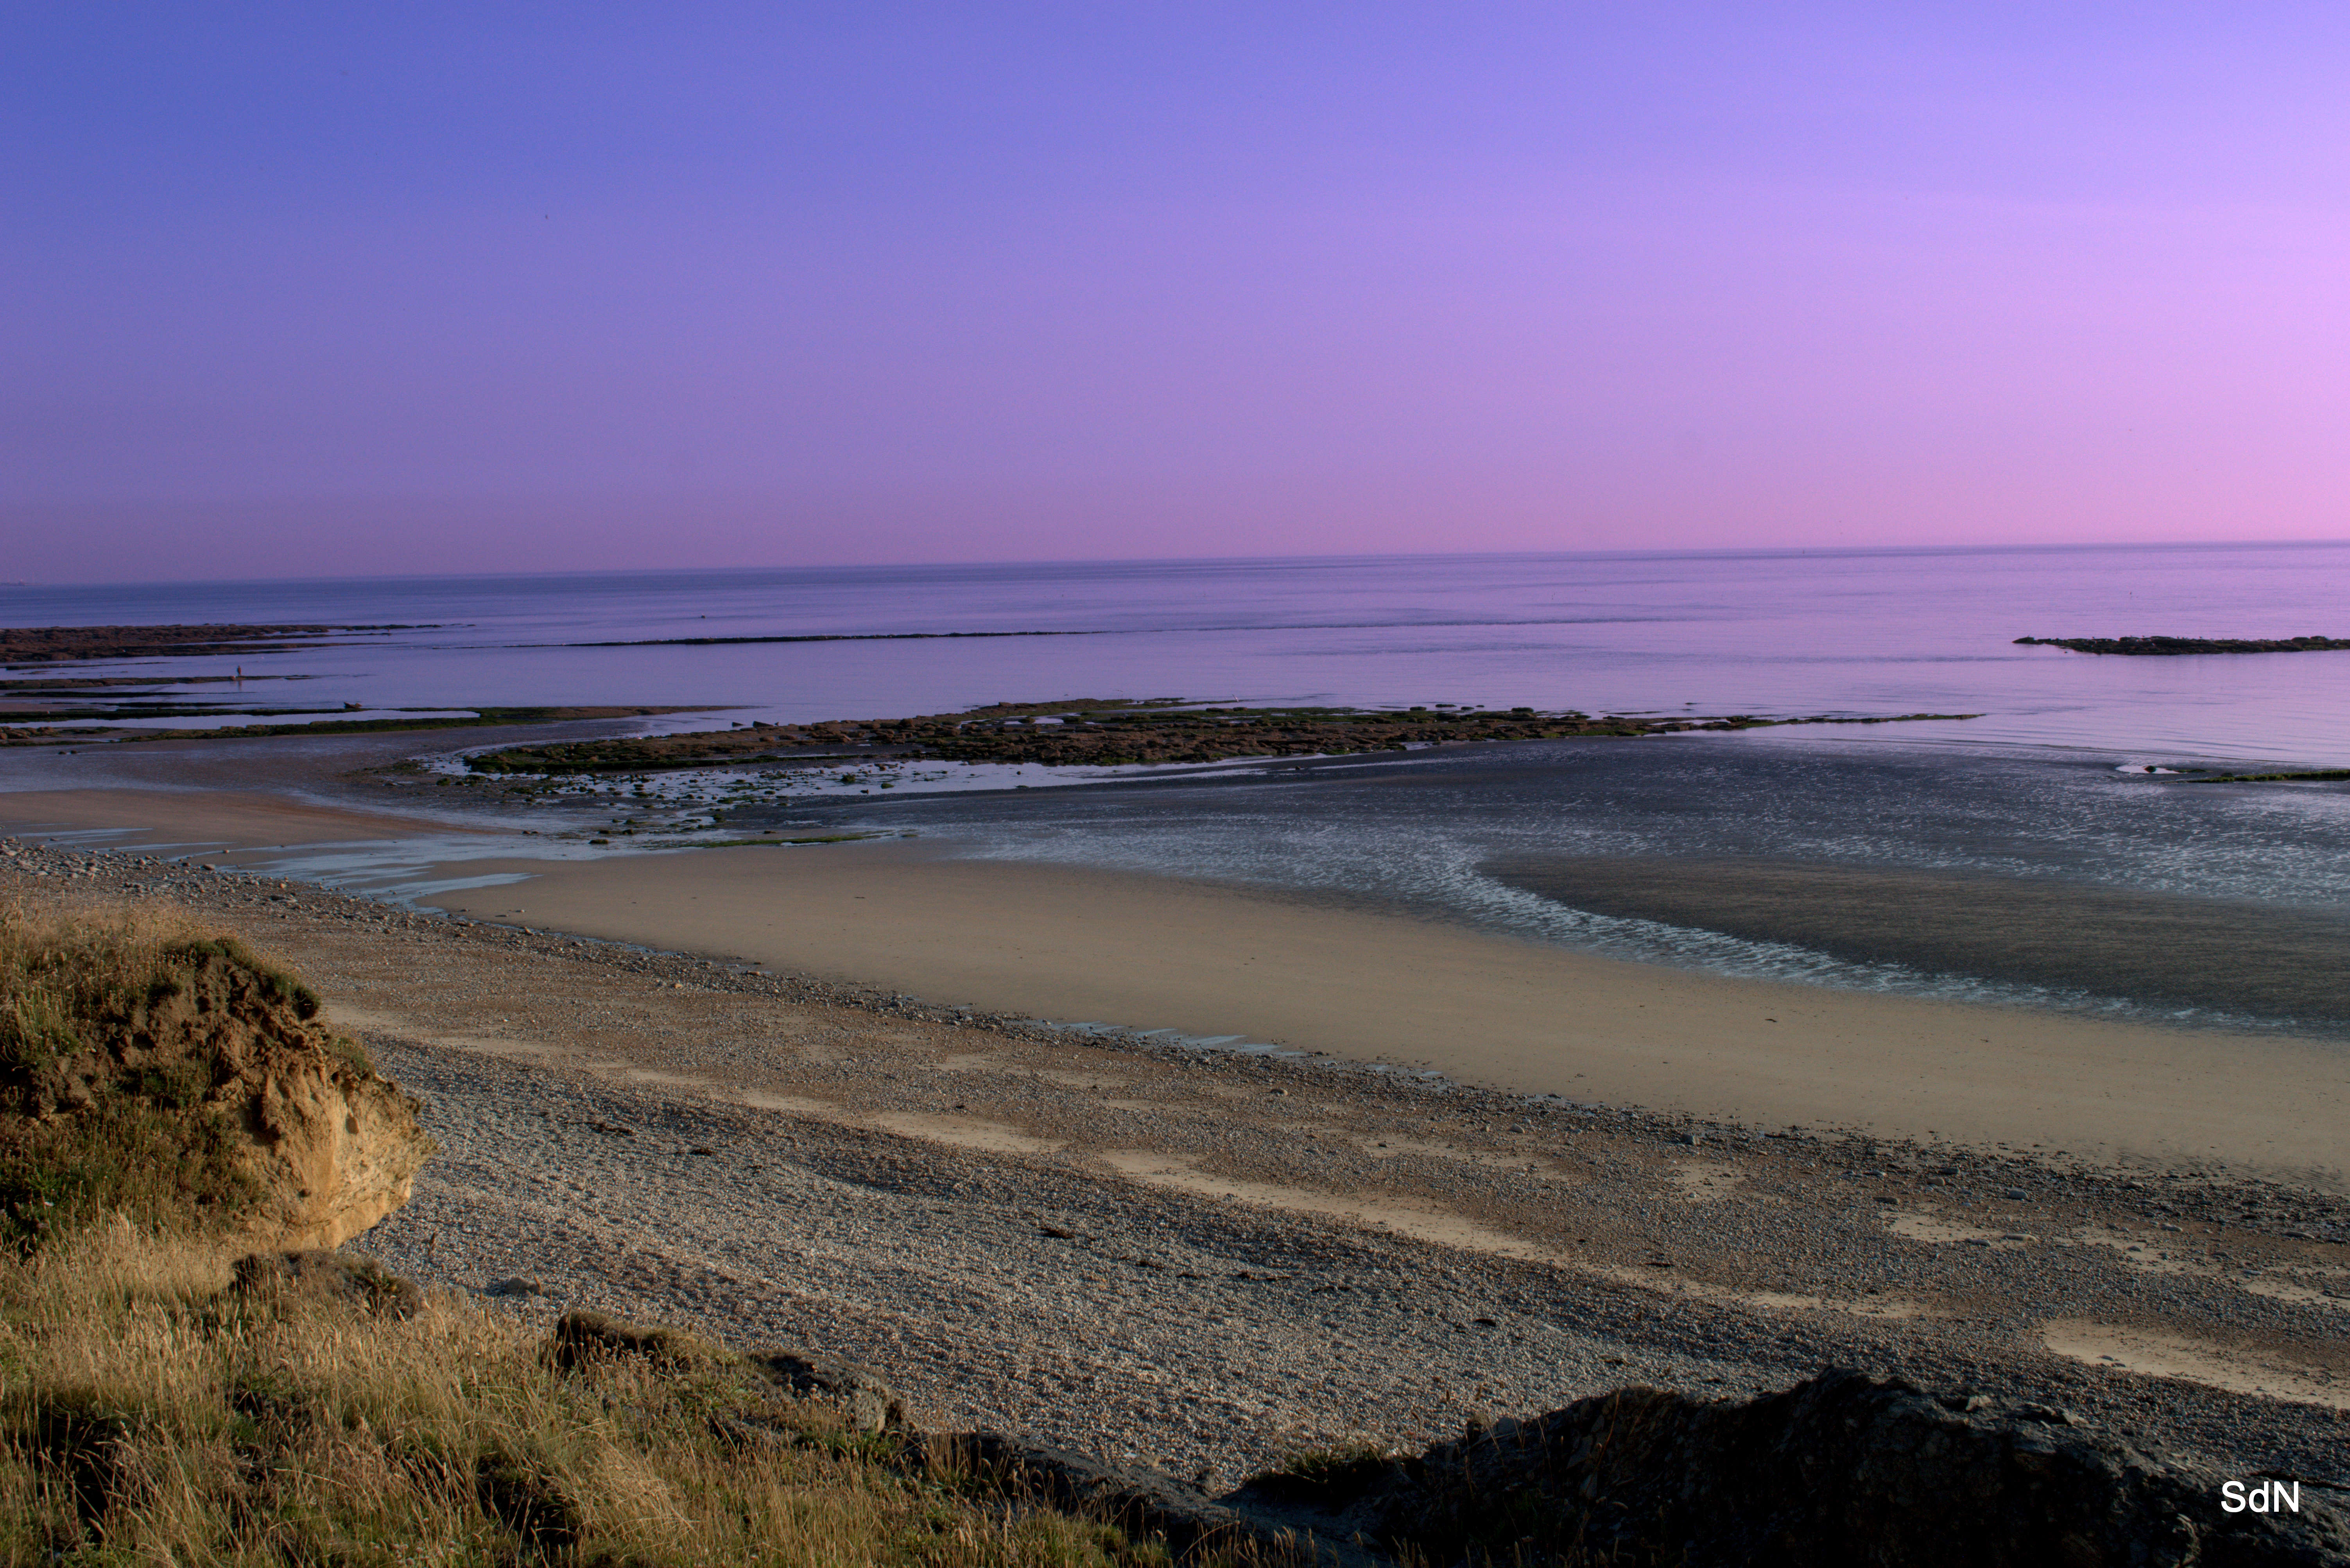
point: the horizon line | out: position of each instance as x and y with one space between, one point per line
1030 563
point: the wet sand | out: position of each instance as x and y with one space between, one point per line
2166 948
1152 953
232 819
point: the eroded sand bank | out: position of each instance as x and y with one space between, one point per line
230 820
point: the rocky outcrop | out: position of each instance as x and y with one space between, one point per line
2160 646
191 1076
1843 1469
1109 732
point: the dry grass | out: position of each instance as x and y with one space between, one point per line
151 1416
152 1413
67 970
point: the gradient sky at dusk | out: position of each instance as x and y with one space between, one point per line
303 289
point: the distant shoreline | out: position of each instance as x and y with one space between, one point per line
55 644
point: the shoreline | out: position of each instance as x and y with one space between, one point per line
1208 960
1205 959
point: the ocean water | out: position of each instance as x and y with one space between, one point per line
1950 848
1764 632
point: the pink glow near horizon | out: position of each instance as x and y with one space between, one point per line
495 289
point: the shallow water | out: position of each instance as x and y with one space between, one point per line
2219 957
2058 854
2034 792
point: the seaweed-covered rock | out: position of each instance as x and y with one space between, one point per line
1843 1469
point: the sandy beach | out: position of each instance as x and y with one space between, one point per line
1207 959
1206 1260
1149 952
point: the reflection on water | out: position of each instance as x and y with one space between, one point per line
1766 632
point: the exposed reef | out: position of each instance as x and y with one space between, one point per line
2313 775
2177 645
51 644
42 728
1101 733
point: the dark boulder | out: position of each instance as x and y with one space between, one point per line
1843 1469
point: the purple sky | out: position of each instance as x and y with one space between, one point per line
307 289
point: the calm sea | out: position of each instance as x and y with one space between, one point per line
1766 632
2023 855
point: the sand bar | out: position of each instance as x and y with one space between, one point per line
233 819
1206 959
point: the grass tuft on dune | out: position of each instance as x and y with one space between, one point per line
136 1139
149 1412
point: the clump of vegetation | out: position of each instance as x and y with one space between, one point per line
151 1412
1341 1466
85 1127
125 1038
